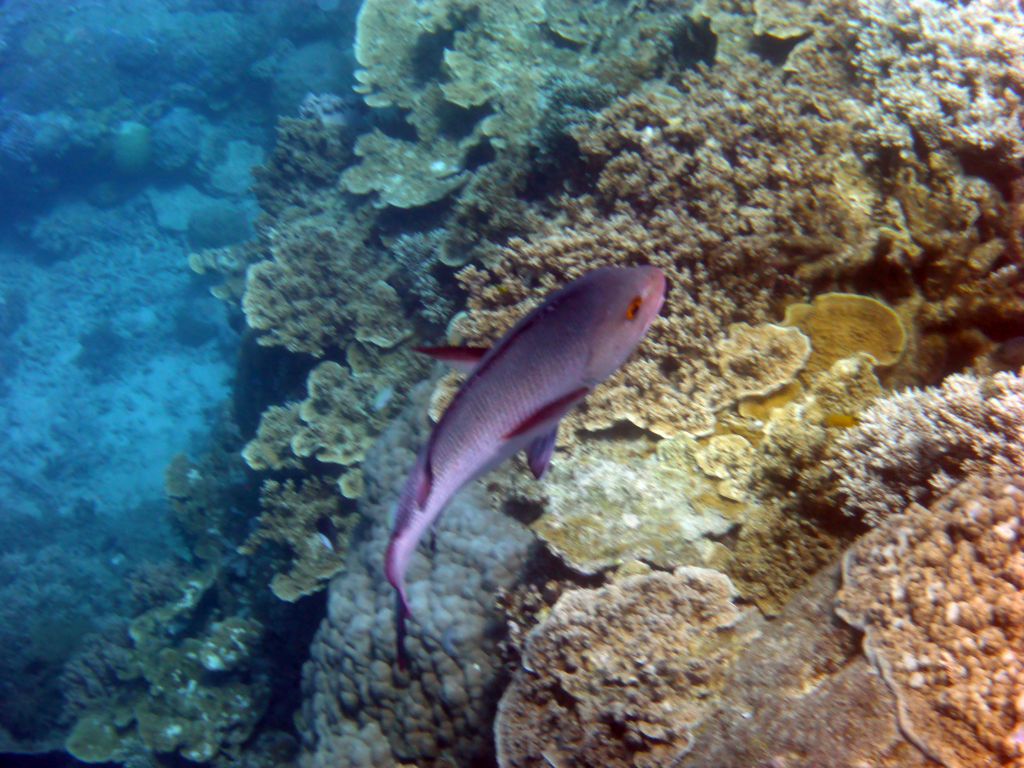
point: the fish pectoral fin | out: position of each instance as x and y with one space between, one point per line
540 451
553 411
463 359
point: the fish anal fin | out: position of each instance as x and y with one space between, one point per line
553 411
540 451
460 358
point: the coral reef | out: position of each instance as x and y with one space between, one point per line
199 695
840 325
346 404
306 517
313 294
621 675
939 594
426 60
950 74
601 510
913 446
676 185
801 695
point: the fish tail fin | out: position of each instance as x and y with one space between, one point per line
396 577
404 537
401 614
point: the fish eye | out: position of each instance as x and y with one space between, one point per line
634 307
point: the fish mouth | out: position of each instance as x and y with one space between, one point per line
657 289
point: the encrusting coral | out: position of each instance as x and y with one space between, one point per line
600 511
621 675
939 594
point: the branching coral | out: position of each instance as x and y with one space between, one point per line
915 445
951 73
321 289
939 593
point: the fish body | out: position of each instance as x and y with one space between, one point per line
517 393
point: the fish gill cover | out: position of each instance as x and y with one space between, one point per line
835 191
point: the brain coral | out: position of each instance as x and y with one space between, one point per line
939 593
619 676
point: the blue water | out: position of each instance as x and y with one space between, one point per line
128 132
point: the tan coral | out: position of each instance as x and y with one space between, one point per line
759 360
600 512
621 675
915 445
939 593
429 60
271 449
844 324
667 192
322 287
379 317
344 410
307 517
730 459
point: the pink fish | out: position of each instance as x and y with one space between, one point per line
517 393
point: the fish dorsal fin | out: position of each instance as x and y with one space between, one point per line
540 451
460 358
553 411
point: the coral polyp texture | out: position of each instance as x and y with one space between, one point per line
939 594
915 445
621 675
953 74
